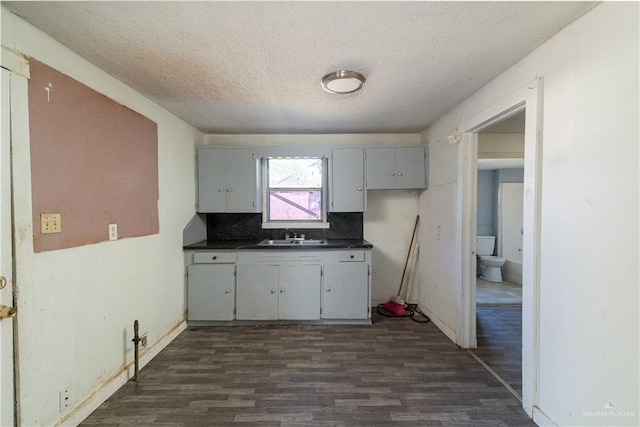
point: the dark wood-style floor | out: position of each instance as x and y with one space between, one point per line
499 334
394 371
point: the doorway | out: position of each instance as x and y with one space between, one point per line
528 99
499 215
499 225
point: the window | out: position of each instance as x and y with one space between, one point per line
295 191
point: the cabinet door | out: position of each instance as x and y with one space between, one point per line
257 292
381 168
299 291
210 292
411 167
212 184
241 189
347 180
345 291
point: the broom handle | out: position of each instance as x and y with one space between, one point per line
404 271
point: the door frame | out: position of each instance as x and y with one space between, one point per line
528 98
18 74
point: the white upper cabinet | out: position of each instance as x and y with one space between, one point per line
396 168
228 180
347 180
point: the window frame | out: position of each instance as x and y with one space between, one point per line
284 224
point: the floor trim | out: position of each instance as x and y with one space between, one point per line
98 397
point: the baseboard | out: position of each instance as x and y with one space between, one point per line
98 397
440 325
542 419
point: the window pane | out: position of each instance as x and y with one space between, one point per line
295 173
295 205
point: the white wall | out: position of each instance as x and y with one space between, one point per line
390 214
589 274
77 306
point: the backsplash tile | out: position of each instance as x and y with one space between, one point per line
248 226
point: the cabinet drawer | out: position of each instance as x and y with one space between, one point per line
214 257
351 256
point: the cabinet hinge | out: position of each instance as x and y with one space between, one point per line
253 156
320 310
365 154
368 270
332 203
235 271
321 272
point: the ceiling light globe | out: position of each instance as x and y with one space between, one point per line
342 82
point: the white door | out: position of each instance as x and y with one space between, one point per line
410 167
6 267
299 291
347 180
257 292
511 220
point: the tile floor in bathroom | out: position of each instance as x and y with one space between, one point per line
504 293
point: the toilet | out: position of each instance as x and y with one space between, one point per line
490 266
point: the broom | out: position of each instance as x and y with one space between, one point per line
395 305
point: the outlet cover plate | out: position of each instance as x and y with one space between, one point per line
50 223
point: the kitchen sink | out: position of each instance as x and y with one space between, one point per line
293 243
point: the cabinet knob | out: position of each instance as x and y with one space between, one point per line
399 173
273 291
228 291
392 174
281 291
220 189
351 256
328 289
214 257
359 188
228 190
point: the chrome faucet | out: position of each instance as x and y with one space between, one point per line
295 237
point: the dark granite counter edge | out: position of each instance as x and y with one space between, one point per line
253 244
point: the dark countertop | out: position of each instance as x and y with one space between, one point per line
253 244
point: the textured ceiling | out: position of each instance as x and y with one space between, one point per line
254 67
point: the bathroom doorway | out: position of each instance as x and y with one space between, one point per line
527 99
499 216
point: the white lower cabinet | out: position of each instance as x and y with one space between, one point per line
257 297
210 292
330 285
278 292
346 291
299 293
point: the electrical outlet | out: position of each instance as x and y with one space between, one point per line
65 399
113 231
50 223
143 341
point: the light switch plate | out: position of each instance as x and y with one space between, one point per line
113 231
50 223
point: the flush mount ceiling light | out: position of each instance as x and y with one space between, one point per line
342 82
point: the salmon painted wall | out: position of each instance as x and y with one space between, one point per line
93 160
